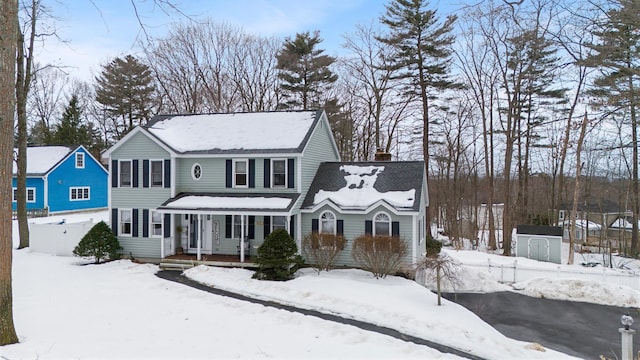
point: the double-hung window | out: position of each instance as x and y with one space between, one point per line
125 222
125 173
237 226
31 195
278 222
157 173
15 195
156 224
240 173
79 160
279 172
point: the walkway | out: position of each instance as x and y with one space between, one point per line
177 277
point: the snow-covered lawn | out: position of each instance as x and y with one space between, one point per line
64 309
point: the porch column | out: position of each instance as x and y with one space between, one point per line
199 236
242 238
162 245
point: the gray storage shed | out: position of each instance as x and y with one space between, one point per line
542 243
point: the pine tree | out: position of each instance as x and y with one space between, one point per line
617 58
304 71
72 130
99 243
125 89
424 52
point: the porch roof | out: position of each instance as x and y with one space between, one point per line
225 203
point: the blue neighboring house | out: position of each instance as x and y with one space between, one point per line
63 179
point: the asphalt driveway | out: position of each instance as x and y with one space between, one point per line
576 328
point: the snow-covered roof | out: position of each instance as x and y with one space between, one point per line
583 224
359 185
212 202
40 159
282 131
621 223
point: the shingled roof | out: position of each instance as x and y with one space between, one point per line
358 185
258 132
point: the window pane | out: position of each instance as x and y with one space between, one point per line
74 194
279 222
79 160
86 193
241 173
327 227
156 173
31 195
279 173
241 167
125 173
382 228
197 172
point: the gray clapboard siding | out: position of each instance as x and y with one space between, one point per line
140 247
354 226
140 146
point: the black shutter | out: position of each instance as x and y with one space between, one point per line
145 222
252 173
134 171
267 225
167 173
134 223
252 227
229 174
267 173
395 228
227 226
114 221
340 227
314 225
291 174
145 173
114 173
166 227
292 227
368 227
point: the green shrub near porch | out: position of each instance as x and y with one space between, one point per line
277 257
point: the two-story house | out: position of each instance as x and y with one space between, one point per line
62 179
197 184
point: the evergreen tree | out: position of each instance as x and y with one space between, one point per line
424 52
617 58
99 243
125 89
304 71
72 130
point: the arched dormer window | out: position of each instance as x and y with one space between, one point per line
327 223
382 224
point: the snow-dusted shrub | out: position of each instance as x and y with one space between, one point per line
381 255
99 243
277 257
323 249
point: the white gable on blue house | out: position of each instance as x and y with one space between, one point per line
63 179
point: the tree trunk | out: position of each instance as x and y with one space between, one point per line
576 190
438 278
8 27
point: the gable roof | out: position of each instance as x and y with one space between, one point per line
260 132
359 185
41 159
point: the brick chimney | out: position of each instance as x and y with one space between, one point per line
382 156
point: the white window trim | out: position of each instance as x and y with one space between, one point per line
78 156
374 223
233 226
14 195
151 223
120 222
273 222
286 174
79 190
130 173
193 168
151 161
246 161
335 222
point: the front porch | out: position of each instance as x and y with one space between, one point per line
187 261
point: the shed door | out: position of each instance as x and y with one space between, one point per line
539 249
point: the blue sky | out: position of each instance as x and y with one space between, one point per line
96 31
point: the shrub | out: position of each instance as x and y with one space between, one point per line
433 247
99 243
381 255
277 257
323 249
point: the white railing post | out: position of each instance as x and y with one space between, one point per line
515 271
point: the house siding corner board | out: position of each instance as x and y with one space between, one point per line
354 226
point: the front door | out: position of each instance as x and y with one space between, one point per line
202 229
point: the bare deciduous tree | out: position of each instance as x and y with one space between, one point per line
439 268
